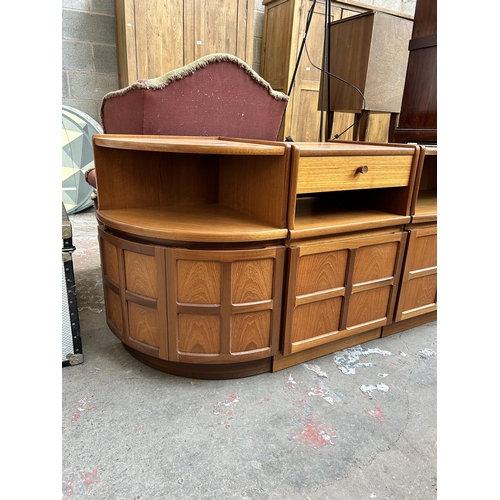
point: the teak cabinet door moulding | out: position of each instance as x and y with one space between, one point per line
418 291
224 306
340 289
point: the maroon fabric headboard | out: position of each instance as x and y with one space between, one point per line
217 95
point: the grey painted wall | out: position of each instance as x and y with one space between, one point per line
89 65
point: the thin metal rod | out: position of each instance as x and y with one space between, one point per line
326 53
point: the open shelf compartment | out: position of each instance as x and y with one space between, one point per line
186 189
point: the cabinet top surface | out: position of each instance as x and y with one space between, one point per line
234 146
354 147
180 144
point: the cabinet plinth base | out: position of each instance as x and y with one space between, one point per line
281 362
221 371
406 324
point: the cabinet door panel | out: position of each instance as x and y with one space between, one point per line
418 289
420 292
224 305
367 307
323 271
250 281
250 332
114 312
423 251
375 262
199 334
144 324
316 322
141 273
158 25
198 282
340 288
134 292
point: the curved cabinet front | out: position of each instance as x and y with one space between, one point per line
176 308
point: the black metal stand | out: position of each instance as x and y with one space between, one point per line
325 73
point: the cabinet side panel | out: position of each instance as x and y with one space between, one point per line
350 41
277 32
256 186
125 42
385 78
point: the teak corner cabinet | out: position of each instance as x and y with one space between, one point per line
224 258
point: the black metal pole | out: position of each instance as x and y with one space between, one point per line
326 53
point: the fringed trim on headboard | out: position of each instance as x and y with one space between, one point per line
180 73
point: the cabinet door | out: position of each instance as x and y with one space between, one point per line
219 26
224 306
154 37
341 288
418 290
149 38
134 293
303 114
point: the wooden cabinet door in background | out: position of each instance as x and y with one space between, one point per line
154 37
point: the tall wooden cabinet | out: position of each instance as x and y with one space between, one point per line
154 37
418 119
417 301
284 29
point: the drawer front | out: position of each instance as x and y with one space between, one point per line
343 173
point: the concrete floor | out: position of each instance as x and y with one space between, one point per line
357 424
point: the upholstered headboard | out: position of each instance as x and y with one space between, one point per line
216 95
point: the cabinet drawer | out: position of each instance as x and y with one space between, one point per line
343 173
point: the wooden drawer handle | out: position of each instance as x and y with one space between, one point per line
362 170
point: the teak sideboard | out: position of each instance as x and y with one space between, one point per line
225 258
